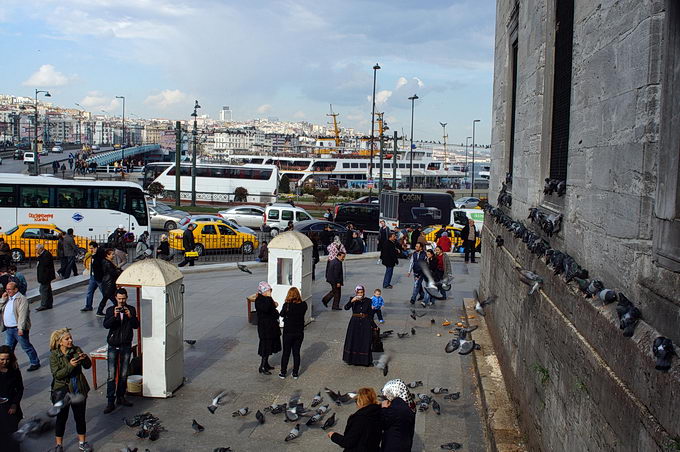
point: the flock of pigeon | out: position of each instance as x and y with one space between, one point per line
566 266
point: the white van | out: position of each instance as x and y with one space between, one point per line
29 157
277 216
458 216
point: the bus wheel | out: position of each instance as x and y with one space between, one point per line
247 248
17 255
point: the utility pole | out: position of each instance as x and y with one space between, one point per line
370 165
466 158
122 146
36 164
193 160
382 143
178 161
473 156
446 158
394 162
410 173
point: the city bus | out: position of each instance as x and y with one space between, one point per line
152 171
218 182
92 208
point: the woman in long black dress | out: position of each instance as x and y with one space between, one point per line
11 392
267 326
358 341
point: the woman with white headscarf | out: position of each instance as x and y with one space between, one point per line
398 417
359 338
267 326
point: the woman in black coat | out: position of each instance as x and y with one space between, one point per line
362 433
359 339
398 417
12 389
267 326
110 273
293 314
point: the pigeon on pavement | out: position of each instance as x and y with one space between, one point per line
293 433
451 446
452 396
413 331
452 345
439 390
402 335
317 399
216 402
243 268
190 341
314 419
436 407
330 422
196 426
323 409
240 412
259 416
415 384
333 395
291 416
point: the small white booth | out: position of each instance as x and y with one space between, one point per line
161 312
290 265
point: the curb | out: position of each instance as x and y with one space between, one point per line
60 286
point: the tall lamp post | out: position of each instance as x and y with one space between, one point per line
80 126
36 165
466 157
446 159
473 156
122 146
370 165
194 132
410 171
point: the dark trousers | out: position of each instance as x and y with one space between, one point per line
78 416
291 343
187 260
118 360
377 313
68 265
46 298
335 294
469 246
105 298
387 279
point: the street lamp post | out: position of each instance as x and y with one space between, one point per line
122 146
194 132
466 157
446 160
410 171
36 165
370 166
473 156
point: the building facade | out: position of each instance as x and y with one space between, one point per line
586 93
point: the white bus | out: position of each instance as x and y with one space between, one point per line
91 208
218 182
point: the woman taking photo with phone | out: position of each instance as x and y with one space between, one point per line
67 363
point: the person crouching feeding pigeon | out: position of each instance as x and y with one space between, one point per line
120 320
363 427
267 326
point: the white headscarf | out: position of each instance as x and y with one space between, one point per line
397 389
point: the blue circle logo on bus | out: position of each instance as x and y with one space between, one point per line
77 217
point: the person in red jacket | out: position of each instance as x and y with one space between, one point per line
444 242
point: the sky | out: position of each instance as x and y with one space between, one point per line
286 59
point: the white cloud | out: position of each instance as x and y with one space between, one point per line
381 97
166 98
419 82
299 115
96 102
266 108
401 82
46 76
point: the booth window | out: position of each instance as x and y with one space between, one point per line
284 271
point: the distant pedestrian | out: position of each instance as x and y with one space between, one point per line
334 277
290 226
12 389
70 162
93 263
293 314
389 257
69 260
110 274
16 323
45 271
263 255
415 269
377 302
63 171
357 350
55 167
5 253
121 320
383 234
189 245
268 329
328 215
469 235
20 279
444 242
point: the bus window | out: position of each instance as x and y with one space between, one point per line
34 196
8 196
72 197
108 198
137 206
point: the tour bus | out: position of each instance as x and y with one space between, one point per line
92 208
403 208
218 182
152 171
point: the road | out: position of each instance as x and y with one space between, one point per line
9 165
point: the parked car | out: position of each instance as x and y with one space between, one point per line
164 216
363 216
207 217
251 216
18 154
29 157
277 216
95 147
367 200
57 149
467 202
213 235
318 226
23 238
44 152
24 146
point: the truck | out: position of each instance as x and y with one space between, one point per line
403 208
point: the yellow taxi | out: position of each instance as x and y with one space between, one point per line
432 234
23 238
214 235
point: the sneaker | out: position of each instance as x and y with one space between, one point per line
57 448
100 314
42 308
109 408
423 304
33 367
295 376
85 447
412 301
382 321
86 309
282 375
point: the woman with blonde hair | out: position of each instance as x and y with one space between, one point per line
363 430
293 314
67 363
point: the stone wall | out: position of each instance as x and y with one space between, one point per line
600 390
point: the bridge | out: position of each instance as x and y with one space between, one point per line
109 157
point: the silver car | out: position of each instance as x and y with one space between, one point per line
165 217
251 216
208 217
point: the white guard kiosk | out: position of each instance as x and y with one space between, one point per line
290 265
161 324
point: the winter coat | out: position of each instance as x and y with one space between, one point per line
110 274
362 433
267 326
21 312
398 426
69 244
188 240
45 268
63 372
334 273
120 331
293 315
389 254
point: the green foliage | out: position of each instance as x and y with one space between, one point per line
240 194
308 189
155 189
542 372
673 444
320 197
284 184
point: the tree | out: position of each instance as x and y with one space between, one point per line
155 189
333 190
284 184
240 194
320 197
308 189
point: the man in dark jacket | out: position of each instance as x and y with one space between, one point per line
97 255
69 259
334 277
389 256
45 277
417 259
121 321
383 234
469 236
189 245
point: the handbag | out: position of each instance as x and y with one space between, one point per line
191 254
377 342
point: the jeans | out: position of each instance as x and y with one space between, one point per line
91 287
387 280
78 416
46 298
11 339
469 250
417 288
118 359
377 313
291 343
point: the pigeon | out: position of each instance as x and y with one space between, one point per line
198 428
663 352
293 433
607 296
433 287
216 402
294 400
276 409
413 315
317 399
190 341
240 412
414 384
436 407
479 305
413 311
451 446
452 396
36 424
452 345
583 285
386 334
499 241
402 335
221 449
422 406
314 419
333 395
69 399
628 315
291 416
413 331
466 346
244 268
383 363
439 390
259 416
432 322
561 188
323 409
529 278
344 398
595 287
424 398
330 422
